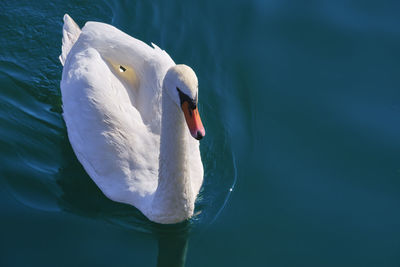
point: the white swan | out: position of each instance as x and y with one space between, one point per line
125 105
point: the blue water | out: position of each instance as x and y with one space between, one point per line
301 104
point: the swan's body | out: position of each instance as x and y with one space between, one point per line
124 120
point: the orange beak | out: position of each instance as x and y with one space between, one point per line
193 121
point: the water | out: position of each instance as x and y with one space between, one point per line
301 104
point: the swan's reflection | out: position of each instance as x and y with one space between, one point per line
172 244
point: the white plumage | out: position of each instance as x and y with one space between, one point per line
117 106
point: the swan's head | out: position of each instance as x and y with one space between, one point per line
181 85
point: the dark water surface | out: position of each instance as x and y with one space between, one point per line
301 104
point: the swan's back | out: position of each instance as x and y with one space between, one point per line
143 67
111 92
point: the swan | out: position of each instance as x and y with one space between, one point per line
132 120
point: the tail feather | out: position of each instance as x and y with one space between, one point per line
71 32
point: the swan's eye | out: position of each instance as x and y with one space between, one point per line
183 97
122 69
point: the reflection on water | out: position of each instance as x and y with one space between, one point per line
172 244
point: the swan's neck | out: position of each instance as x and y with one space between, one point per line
173 200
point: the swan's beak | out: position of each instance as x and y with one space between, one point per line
193 121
